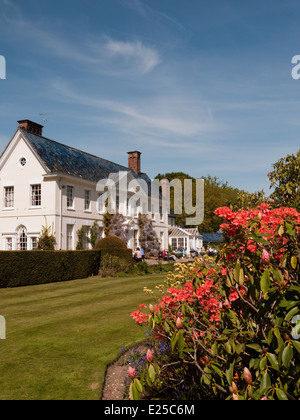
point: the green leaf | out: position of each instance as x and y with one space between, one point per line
287 355
151 373
138 385
240 348
237 272
296 344
281 230
291 314
214 349
277 273
174 341
265 382
217 370
229 374
294 262
228 347
281 395
242 277
290 229
167 327
255 347
279 338
263 363
181 342
273 360
265 283
134 393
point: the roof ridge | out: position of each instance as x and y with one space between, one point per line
74 148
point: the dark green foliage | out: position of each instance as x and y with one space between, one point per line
47 241
111 243
217 194
285 182
115 247
26 268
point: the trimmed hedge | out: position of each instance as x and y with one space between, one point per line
115 247
26 268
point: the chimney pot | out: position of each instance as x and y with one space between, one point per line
134 161
31 126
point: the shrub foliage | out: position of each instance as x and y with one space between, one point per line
231 330
114 247
26 268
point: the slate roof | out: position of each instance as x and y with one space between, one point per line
213 238
65 160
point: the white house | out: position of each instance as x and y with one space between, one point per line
43 181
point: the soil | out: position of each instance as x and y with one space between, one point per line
114 387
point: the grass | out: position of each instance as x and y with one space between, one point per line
61 337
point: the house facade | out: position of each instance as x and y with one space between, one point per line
44 182
187 239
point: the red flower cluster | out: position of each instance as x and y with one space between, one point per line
261 221
139 317
205 297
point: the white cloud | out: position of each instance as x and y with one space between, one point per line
161 117
103 55
133 53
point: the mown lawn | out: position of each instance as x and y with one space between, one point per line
62 336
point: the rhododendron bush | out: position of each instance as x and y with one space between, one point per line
230 330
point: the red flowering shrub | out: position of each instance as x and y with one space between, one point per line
232 331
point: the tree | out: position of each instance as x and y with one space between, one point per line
94 234
285 180
217 194
47 240
148 238
117 227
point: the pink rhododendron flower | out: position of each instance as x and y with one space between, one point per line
131 372
149 356
265 256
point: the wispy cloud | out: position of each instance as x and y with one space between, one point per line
133 53
163 118
148 12
102 55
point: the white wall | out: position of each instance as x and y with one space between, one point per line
22 178
53 208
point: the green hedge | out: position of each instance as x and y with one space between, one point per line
25 268
115 247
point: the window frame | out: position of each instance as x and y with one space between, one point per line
70 197
87 200
9 200
36 196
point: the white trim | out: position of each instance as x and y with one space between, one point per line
8 184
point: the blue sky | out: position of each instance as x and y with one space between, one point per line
200 87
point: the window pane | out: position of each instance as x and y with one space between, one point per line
34 243
70 197
22 240
87 200
9 197
36 195
9 244
70 229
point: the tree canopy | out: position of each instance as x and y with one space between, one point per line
217 194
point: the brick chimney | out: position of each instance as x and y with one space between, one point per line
134 161
31 126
